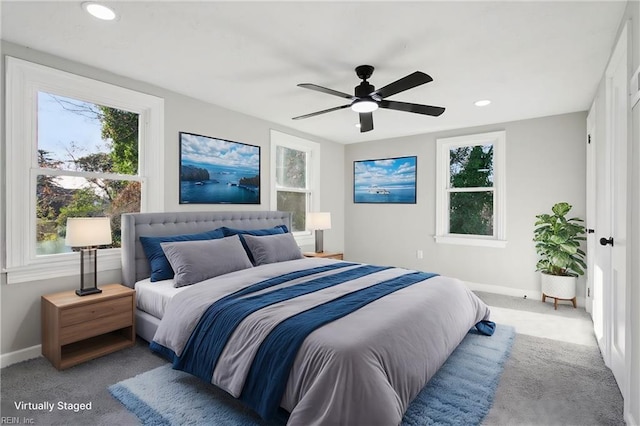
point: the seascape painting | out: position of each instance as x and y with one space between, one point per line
218 171
389 180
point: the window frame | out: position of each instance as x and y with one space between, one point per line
312 149
23 82
443 189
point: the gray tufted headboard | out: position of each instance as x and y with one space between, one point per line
135 265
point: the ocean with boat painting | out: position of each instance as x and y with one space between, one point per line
388 180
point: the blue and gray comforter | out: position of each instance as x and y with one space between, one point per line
331 342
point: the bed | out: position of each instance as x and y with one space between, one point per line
328 341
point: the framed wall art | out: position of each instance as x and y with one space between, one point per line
218 171
388 180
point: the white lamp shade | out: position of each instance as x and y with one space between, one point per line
88 231
319 221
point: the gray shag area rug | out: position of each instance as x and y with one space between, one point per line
460 393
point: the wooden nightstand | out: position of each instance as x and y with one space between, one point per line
76 329
324 254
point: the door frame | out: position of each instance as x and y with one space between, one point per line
632 404
591 203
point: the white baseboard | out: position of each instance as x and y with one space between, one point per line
510 291
21 355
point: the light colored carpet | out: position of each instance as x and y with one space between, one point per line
546 382
534 318
556 374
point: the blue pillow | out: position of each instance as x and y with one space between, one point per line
160 267
280 229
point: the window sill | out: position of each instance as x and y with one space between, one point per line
470 241
63 266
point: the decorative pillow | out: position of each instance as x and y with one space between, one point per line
158 263
195 261
280 229
273 248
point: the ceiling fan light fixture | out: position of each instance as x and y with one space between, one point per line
481 103
99 11
366 99
364 105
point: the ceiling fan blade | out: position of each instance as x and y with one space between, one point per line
407 107
366 122
313 114
325 90
405 83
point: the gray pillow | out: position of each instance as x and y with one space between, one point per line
272 248
195 261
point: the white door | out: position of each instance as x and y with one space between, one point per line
617 139
600 271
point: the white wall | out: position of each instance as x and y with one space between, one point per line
20 303
545 164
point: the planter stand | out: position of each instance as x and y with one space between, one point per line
555 301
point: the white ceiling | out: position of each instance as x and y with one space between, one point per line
531 59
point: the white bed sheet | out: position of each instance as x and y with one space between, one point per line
153 297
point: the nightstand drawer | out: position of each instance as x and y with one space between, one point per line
92 311
95 327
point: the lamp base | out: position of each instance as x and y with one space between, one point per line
87 291
88 272
319 241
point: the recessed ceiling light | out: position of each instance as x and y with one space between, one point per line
99 11
482 103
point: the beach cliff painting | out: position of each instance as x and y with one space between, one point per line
218 171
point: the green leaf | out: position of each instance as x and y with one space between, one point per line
569 248
561 209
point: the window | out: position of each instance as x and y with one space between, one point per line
295 164
78 147
471 190
87 165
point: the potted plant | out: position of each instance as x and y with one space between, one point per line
561 258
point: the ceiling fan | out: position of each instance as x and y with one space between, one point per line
367 99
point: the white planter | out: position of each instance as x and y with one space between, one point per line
558 286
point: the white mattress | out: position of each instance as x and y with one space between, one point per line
153 297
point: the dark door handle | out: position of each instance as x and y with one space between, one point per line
605 241
590 231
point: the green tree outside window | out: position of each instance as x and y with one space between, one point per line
471 209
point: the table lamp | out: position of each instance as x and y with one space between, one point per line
88 233
319 221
